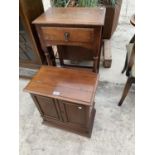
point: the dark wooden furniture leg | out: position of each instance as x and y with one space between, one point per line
132 39
64 28
51 55
126 60
125 65
95 64
126 90
47 55
60 49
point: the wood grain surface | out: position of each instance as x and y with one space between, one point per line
72 85
74 34
74 16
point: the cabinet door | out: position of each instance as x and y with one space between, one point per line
48 106
76 114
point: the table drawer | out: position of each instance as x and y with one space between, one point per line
85 35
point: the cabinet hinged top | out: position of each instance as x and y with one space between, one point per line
72 16
65 84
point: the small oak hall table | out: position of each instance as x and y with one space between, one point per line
71 27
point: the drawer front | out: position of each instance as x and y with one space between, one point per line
48 106
85 35
76 114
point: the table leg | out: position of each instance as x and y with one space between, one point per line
132 39
51 55
60 50
46 52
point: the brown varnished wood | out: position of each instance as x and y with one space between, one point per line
128 84
70 83
84 41
79 54
110 25
76 110
63 112
111 19
72 16
76 120
93 47
74 34
37 104
97 48
73 109
80 44
80 25
48 106
28 11
84 131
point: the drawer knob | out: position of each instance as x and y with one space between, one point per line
80 108
66 36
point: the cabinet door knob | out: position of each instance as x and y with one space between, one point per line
66 36
80 108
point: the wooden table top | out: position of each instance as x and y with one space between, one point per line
72 16
67 84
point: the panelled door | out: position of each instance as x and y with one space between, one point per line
48 106
62 110
76 113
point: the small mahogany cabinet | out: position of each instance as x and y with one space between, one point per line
65 97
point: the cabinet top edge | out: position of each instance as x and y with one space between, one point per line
66 84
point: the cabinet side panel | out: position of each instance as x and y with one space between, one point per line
37 104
